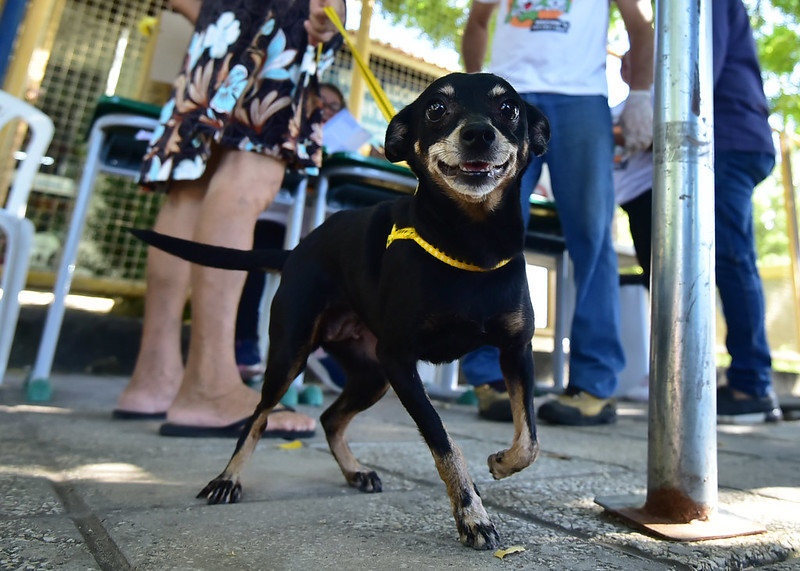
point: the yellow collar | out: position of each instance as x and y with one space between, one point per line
410 233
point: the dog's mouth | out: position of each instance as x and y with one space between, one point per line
476 169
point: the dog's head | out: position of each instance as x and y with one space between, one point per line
472 134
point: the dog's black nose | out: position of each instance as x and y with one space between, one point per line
477 135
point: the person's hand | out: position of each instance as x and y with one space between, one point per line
319 27
637 121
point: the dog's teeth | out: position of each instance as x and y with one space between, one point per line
475 167
446 169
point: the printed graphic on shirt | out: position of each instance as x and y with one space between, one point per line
539 15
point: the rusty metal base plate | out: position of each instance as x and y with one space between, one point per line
719 526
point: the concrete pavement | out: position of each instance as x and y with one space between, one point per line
80 491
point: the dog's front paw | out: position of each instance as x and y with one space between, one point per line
500 465
507 462
222 490
368 482
478 533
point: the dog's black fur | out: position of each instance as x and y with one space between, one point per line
380 309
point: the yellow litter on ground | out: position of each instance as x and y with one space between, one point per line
293 445
500 553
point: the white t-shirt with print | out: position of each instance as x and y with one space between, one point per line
551 46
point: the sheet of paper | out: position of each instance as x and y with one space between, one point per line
343 133
174 34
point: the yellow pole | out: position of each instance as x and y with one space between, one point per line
791 225
25 72
363 45
38 32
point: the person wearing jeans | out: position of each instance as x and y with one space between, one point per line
596 355
744 155
556 60
749 388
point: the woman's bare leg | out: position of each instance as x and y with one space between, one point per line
159 364
211 392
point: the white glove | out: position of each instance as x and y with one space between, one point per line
636 121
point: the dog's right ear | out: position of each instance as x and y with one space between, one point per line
538 130
400 137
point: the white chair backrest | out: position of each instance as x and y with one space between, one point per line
41 129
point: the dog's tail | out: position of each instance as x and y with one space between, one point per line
214 256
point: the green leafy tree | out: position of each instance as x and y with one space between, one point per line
769 218
441 21
776 26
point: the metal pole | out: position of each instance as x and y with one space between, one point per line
681 502
682 461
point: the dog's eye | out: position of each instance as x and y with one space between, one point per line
509 110
435 111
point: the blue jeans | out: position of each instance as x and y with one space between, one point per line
580 157
736 174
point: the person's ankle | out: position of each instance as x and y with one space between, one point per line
144 401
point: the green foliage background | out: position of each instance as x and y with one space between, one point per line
776 26
442 21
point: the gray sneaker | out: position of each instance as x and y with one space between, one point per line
579 408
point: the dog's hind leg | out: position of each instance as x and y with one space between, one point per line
227 488
517 366
287 357
475 529
366 384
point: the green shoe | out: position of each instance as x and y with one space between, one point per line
493 404
291 398
468 398
311 395
579 409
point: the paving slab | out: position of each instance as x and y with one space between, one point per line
39 543
80 491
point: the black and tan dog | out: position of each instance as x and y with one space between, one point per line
426 277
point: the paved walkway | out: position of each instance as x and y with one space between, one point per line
80 491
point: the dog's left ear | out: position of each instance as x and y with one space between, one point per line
538 130
399 136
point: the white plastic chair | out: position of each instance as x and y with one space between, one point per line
39 387
17 229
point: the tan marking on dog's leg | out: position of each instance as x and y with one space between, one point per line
515 322
335 421
226 488
475 529
248 445
355 473
523 450
335 434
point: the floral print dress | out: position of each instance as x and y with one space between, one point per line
249 82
